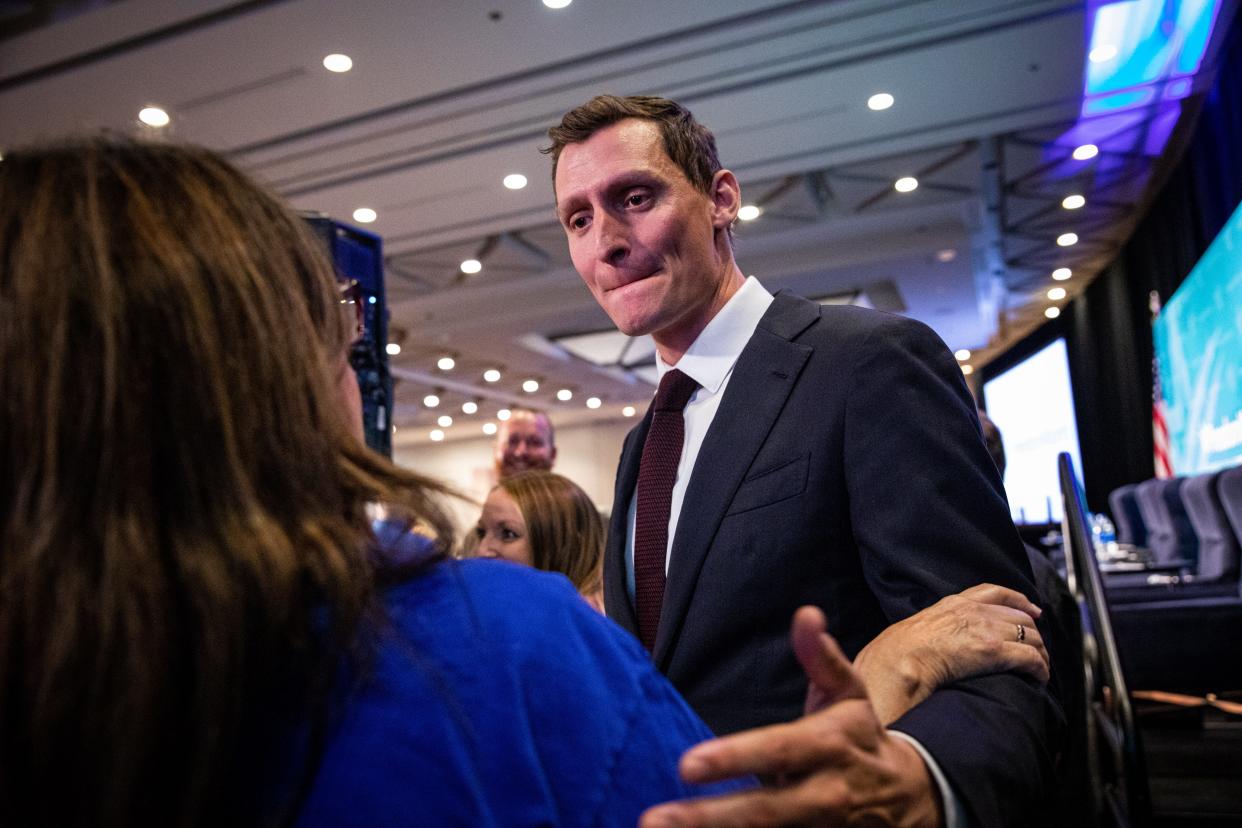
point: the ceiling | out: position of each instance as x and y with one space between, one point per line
447 98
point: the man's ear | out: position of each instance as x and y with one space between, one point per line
726 198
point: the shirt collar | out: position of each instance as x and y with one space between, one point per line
713 354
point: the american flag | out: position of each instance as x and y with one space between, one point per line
1159 423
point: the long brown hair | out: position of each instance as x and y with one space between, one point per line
183 538
563 527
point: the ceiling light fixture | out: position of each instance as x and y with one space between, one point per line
1056 294
749 212
469 407
564 395
503 414
967 370
1062 273
1086 152
491 375
446 363
594 402
338 63
153 116
1052 312
489 429
444 421
393 348
515 181
906 185
879 101
530 386
436 435
471 266
946 255
629 411
365 215
557 4
962 355
1073 202
1067 239
431 400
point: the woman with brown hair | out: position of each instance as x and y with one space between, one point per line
547 521
197 625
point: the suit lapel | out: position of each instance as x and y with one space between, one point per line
616 598
761 382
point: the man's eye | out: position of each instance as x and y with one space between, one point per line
579 222
636 199
479 532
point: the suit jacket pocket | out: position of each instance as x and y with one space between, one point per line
771 484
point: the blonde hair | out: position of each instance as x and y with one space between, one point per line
563 527
184 550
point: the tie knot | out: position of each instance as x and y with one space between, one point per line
674 392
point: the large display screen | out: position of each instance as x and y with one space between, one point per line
1033 406
1199 347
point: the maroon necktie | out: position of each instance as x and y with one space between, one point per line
657 470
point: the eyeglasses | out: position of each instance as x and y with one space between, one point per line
351 294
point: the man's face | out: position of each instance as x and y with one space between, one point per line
642 237
524 442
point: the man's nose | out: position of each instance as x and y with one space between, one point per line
611 239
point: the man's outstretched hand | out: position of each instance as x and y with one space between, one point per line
835 766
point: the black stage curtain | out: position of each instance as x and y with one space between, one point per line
1108 327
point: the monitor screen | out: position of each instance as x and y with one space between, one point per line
1198 339
1032 404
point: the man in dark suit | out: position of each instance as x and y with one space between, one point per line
827 456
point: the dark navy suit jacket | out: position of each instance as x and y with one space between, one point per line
845 469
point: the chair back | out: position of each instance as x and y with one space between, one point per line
1229 490
1218 548
1123 501
1115 766
1170 536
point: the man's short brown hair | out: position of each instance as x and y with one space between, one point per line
688 143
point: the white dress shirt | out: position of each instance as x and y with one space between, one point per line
709 361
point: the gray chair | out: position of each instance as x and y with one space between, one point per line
1229 490
1126 515
1170 535
1218 546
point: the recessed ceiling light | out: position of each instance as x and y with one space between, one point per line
629 411
489 429
530 386
365 215
906 185
504 414
338 63
1073 202
557 4
436 435
1056 294
564 395
153 116
515 181
431 400
967 370
444 421
1067 239
471 266
749 212
491 375
879 101
393 348
1086 152
946 255
1052 312
1102 54
594 402
962 355
446 363
1062 273
469 407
